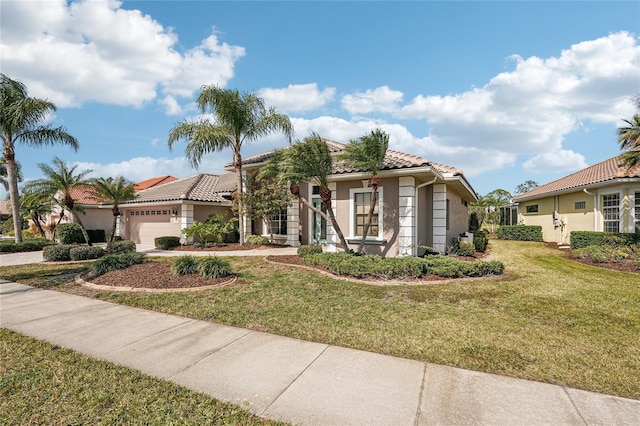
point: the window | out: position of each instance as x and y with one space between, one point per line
611 212
279 223
579 205
361 204
532 208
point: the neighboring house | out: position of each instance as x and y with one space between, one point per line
5 211
421 203
150 183
603 197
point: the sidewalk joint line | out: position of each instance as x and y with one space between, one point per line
418 410
564 389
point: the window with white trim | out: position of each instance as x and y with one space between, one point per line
360 204
279 223
611 212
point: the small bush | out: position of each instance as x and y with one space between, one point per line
306 250
466 249
27 245
96 235
582 239
256 240
86 253
213 267
58 253
474 222
167 243
69 233
114 262
520 232
184 265
122 246
480 240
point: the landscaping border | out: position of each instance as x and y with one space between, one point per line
102 287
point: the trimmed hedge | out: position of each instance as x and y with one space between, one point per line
480 240
309 249
86 253
121 246
58 253
520 232
114 262
27 245
167 243
582 239
69 233
256 240
96 235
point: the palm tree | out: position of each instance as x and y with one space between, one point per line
308 161
113 191
35 206
629 137
21 120
237 117
368 153
3 173
62 179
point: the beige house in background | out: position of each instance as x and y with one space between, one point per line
603 197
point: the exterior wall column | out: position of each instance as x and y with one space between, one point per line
186 219
407 216
293 223
332 236
440 218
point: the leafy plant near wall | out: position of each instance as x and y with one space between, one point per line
581 239
520 232
214 229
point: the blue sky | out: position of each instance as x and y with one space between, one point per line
507 91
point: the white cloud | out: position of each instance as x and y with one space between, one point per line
83 51
170 105
297 97
562 161
381 99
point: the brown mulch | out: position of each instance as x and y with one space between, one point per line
624 266
228 247
155 275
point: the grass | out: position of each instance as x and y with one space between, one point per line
549 319
43 384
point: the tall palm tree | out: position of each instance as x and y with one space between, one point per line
21 120
629 137
367 153
113 191
3 173
309 161
237 117
35 206
62 179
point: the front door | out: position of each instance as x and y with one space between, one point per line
318 223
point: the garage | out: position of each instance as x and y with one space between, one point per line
143 226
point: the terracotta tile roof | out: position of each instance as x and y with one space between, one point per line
393 160
608 170
84 194
200 187
155 181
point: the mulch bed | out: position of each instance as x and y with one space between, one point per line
228 247
155 275
624 266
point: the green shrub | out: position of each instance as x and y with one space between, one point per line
58 253
69 233
474 222
96 235
114 262
214 267
27 245
256 240
520 232
466 249
167 243
184 265
480 240
122 246
582 239
86 253
309 249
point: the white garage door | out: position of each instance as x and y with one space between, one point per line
146 225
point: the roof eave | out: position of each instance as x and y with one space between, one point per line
577 189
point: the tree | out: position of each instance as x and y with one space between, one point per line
3 173
307 161
62 179
629 137
492 203
113 191
36 206
21 121
265 198
368 153
526 186
237 117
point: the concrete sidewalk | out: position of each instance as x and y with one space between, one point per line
294 380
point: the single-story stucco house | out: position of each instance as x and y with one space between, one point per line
603 197
421 204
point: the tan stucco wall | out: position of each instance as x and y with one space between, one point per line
458 216
424 218
202 213
94 218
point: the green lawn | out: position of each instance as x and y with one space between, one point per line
549 319
44 384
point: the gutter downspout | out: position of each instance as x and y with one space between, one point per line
415 242
595 208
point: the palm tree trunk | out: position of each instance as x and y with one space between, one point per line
116 213
367 225
237 162
325 195
38 223
12 179
77 220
